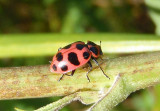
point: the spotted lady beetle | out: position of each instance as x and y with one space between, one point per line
74 55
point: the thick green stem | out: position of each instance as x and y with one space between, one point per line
137 72
38 81
134 72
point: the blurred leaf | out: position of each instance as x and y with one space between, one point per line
17 109
23 45
156 91
48 2
143 101
72 20
153 4
154 12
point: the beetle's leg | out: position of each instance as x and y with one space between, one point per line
90 65
99 66
67 75
61 77
59 49
101 58
71 73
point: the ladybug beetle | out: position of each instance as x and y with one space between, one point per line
74 55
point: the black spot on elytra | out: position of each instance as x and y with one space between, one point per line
73 59
91 43
94 50
67 47
54 67
64 68
79 46
86 55
59 56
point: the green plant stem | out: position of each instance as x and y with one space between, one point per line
137 72
18 45
38 81
60 103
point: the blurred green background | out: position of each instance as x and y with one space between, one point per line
79 16
74 16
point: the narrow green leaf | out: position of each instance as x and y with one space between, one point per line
154 12
18 45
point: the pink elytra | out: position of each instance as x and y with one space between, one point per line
75 55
